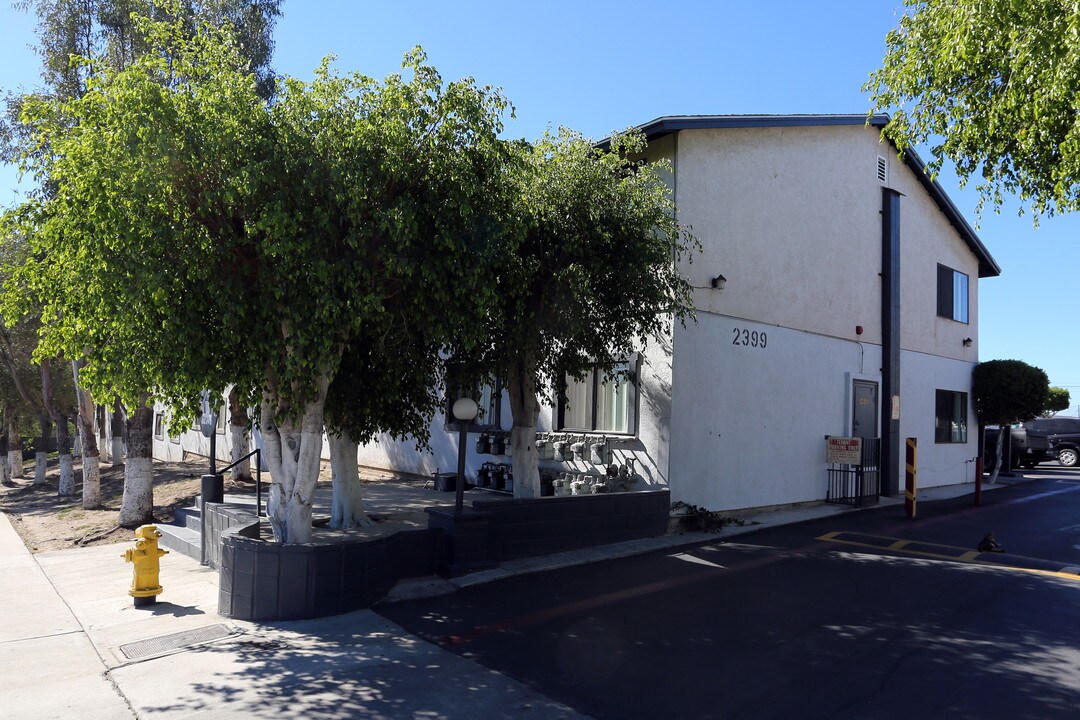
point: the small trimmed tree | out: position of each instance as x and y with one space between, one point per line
1058 400
1006 392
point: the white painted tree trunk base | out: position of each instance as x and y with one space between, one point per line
137 507
348 506
241 445
66 485
15 464
41 466
116 454
91 492
5 473
525 461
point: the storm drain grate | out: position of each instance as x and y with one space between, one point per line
175 641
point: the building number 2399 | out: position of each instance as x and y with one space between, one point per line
749 338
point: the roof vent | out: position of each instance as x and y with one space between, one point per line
882 170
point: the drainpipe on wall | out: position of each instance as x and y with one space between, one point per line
890 341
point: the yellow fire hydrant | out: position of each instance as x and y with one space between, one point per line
145 554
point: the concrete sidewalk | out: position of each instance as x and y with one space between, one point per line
72 644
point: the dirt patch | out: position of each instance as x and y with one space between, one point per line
47 521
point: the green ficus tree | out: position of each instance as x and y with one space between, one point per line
593 278
991 86
1006 392
76 41
1058 400
225 241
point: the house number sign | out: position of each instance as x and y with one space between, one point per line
749 338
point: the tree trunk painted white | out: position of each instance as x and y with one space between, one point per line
117 424
5 472
91 471
293 449
91 461
348 508
240 436
137 507
14 456
525 408
101 419
41 453
1004 435
66 484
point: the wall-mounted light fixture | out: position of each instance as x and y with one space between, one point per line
719 282
967 342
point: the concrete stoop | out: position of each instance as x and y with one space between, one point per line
182 536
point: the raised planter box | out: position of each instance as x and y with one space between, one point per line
262 580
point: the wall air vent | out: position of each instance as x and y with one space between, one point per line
882 170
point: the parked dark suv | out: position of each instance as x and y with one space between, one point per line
1062 435
1025 451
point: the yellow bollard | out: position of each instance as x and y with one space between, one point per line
145 554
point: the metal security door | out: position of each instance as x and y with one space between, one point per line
864 416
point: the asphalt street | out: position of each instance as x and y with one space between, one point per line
862 615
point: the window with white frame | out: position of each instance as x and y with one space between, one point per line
952 294
951 417
601 402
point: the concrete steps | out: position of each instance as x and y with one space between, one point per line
182 535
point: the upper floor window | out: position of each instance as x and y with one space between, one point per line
601 402
952 294
950 424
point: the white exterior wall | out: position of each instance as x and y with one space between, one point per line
749 423
791 217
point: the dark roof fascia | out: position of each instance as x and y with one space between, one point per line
668 125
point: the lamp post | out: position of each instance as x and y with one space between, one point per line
465 410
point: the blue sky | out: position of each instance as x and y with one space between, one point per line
603 66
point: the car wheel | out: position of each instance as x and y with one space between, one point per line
1068 457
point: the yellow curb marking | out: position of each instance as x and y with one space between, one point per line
969 556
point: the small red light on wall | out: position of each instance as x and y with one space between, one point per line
858 329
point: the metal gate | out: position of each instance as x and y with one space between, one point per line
857 485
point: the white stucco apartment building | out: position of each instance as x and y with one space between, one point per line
836 293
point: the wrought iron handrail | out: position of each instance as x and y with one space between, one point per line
258 477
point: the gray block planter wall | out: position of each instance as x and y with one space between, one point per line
262 580
525 527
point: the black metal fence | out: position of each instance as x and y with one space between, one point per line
857 485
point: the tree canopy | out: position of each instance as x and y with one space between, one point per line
1058 399
991 85
1006 392
594 275
198 237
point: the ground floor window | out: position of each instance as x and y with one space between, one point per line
488 397
601 402
951 417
